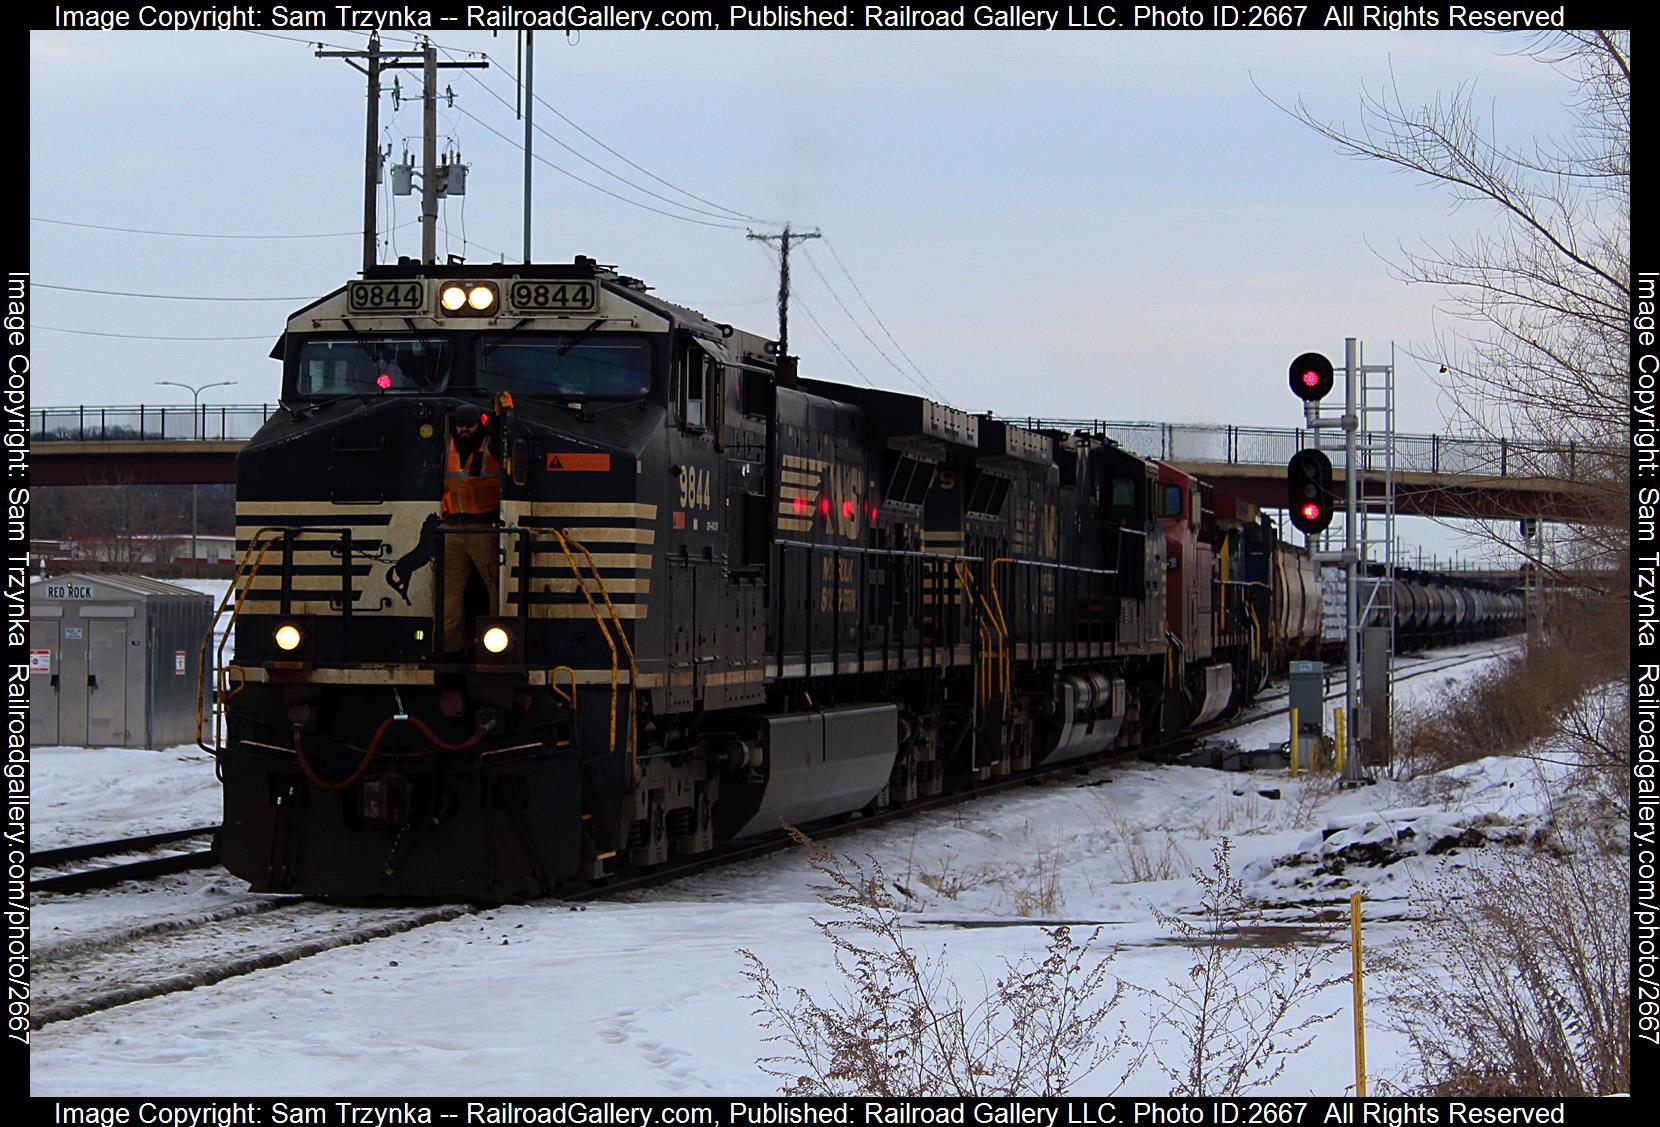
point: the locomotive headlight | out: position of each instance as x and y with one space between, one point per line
496 640
469 299
287 637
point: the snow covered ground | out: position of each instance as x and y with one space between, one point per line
648 997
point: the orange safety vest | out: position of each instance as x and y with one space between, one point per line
473 489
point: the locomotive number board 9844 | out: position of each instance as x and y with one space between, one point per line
385 297
533 296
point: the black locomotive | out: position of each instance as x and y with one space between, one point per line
728 597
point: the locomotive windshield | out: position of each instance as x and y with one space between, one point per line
328 366
566 366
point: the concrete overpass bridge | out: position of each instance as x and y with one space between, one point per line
1435 475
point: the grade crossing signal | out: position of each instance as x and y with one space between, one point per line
1312 377
1309 491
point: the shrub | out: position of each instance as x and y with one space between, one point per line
899 1024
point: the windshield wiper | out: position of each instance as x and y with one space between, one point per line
578 338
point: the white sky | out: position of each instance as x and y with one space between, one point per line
1112 225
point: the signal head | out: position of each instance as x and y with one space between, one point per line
1309 491
1312 376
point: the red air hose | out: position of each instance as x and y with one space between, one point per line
374 746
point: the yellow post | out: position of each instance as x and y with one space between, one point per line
1342 741
1360 1000
1293 743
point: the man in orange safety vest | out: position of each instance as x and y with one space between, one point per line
470 509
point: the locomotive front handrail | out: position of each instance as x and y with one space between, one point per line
565 543
244 571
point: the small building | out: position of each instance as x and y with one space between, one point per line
113 660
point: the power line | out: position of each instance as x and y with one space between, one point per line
721 213
772 257
828 245
871 340
566 172
185 234
167 296
644 171
142 336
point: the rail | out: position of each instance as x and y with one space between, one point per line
1189 442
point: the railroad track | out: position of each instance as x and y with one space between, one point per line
148 868
95 973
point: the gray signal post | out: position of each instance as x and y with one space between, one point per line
1350 422
376 61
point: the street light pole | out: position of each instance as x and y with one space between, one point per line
195 433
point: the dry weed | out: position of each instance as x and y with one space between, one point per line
1518 982
1236 1019
1505 708
899 1024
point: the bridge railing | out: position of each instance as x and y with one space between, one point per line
1420 453
208 422
1178 442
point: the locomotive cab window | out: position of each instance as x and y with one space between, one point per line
698 388
360 365
578 366
1170 503
1123 496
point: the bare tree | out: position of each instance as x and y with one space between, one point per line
1537 338
112 518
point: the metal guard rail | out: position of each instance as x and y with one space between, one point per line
1228 445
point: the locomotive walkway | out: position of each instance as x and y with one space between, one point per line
1435 475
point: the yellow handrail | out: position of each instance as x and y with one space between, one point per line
963 580
553 683
628 651
605 632
243 575
1003 629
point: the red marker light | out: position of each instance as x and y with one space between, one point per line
824 506
1311 511
847 510
801 504
383 381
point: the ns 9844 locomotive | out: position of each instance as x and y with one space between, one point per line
719 596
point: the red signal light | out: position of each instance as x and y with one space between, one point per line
1312 376
1309 491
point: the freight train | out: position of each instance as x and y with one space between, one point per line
726 598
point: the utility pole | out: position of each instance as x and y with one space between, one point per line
783 239
378 60
530 107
